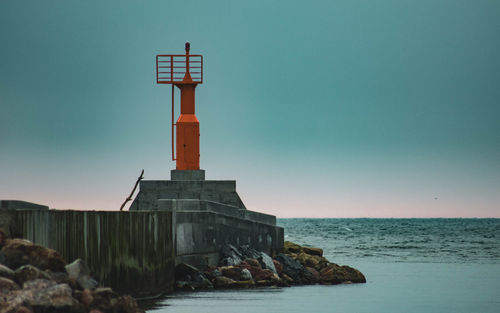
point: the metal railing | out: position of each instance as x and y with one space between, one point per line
172 68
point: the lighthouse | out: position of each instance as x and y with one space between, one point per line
206 214
184 71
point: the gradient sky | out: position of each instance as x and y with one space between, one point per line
351 108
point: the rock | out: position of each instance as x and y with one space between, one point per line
7 285
105 292
242 284
264 283
266 262
314 261
262 274
231 272
126 304
59 277
278 267
253 262
230 256
312 251
80 272
246 275
103 300
287 278
29 272
18 252
276 279
249 253
86 298
223 282
212 274
6 272
45 295
258 273
354 275
314 274
38 284
189 277
291 267
290 247
335 274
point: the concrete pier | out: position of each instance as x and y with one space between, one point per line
185 219
206 215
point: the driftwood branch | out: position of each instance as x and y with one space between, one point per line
133 190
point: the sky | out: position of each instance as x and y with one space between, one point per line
352 108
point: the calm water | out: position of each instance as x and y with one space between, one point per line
412 265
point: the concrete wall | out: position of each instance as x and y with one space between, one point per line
132 252
221 191
200 232
18 204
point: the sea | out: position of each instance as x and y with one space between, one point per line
411 265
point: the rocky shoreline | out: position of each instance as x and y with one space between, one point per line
244 267
35 279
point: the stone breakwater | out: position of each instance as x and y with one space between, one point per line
35 279
244 267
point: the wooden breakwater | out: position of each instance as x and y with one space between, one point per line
132 252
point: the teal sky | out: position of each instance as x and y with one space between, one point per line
317 108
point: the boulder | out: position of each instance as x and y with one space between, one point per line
314 261
278 267
249 253
105 300
60 277
19 252
45 295
242 284
354 275
291 267
86 298
7 285
253 262
291 247
232 272
258 273
230 256
264 283
29 272
223 282
287 278
312 251
211 274
335 274
262 274
39 283
189 277
266 262
126 304
314 274
79 272
246 275
6 272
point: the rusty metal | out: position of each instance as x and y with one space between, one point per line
185 71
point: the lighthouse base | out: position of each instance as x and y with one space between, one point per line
207 214
187 174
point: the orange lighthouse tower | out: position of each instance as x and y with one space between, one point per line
185 71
